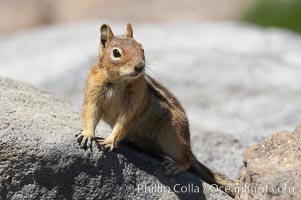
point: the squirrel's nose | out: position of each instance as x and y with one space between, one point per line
139 67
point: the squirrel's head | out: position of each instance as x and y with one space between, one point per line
121 56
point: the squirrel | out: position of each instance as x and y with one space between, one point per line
138 109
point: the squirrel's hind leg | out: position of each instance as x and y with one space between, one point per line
175 152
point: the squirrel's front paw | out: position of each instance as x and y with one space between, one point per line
108 143
84 140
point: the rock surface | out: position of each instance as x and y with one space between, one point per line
273 168
39 158
54 11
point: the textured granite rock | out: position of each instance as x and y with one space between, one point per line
273 168
39 158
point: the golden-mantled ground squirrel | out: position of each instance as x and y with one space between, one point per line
138 108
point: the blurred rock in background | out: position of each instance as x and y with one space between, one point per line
16 15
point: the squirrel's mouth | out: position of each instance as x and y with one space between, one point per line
135 73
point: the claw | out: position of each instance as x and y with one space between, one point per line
84 140
107 143
89 142
79 138
83 143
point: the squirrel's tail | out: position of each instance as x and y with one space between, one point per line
212 177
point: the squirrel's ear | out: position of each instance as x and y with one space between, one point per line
106 35
129 30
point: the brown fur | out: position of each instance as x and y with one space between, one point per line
138 108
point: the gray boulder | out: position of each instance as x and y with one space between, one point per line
39 158
272 168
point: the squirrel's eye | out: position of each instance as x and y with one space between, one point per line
116 53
